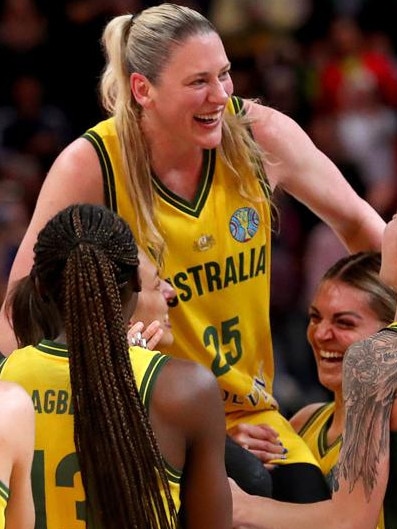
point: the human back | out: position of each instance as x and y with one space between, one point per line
17 431
90 387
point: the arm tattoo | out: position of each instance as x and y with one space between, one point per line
369 389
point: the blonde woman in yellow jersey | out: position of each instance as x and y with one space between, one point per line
365 478
349 304
125 437
192 170
16 454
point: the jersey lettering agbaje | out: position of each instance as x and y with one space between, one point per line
56 481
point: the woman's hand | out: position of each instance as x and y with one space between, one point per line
262 440
147 338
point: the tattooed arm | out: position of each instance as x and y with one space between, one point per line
370 382
369 389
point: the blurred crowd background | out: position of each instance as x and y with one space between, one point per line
329 64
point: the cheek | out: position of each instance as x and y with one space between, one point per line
310 334
345 339
130 307
229 87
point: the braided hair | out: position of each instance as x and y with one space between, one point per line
85 271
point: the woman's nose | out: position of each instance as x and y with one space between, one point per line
218 92
168 291
323 330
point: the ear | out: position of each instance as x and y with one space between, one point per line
140 88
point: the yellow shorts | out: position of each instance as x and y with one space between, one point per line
298 451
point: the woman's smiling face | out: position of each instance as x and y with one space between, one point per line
153 299
339 315
188 100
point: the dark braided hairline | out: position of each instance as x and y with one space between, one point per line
105 396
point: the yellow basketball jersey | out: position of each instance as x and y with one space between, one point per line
314 433
57 487
4 495
218 260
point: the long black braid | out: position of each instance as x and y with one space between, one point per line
86 265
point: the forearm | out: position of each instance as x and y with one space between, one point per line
263 513
366 233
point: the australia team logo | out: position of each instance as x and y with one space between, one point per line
244 223
203 243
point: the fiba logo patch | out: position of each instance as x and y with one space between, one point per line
244 224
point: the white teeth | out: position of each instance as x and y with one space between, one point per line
331 354
208 116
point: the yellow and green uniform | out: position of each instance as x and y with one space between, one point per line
314 433
218 260
56 481
4 495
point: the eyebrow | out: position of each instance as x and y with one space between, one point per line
223 69
348 313
338 314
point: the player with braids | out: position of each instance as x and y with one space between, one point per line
134 437
192 167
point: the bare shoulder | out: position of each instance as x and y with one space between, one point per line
370 372
372 362
78 164
14 402
188 392
300 418
75 176
272 126
288 150
16 421
190 380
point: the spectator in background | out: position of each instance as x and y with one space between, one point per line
31 125
367 129
351 58
24 44
14 219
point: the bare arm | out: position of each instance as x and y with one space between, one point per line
194 414
18 419
370 381
74 177
299 168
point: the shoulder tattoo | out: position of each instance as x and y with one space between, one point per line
369 389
